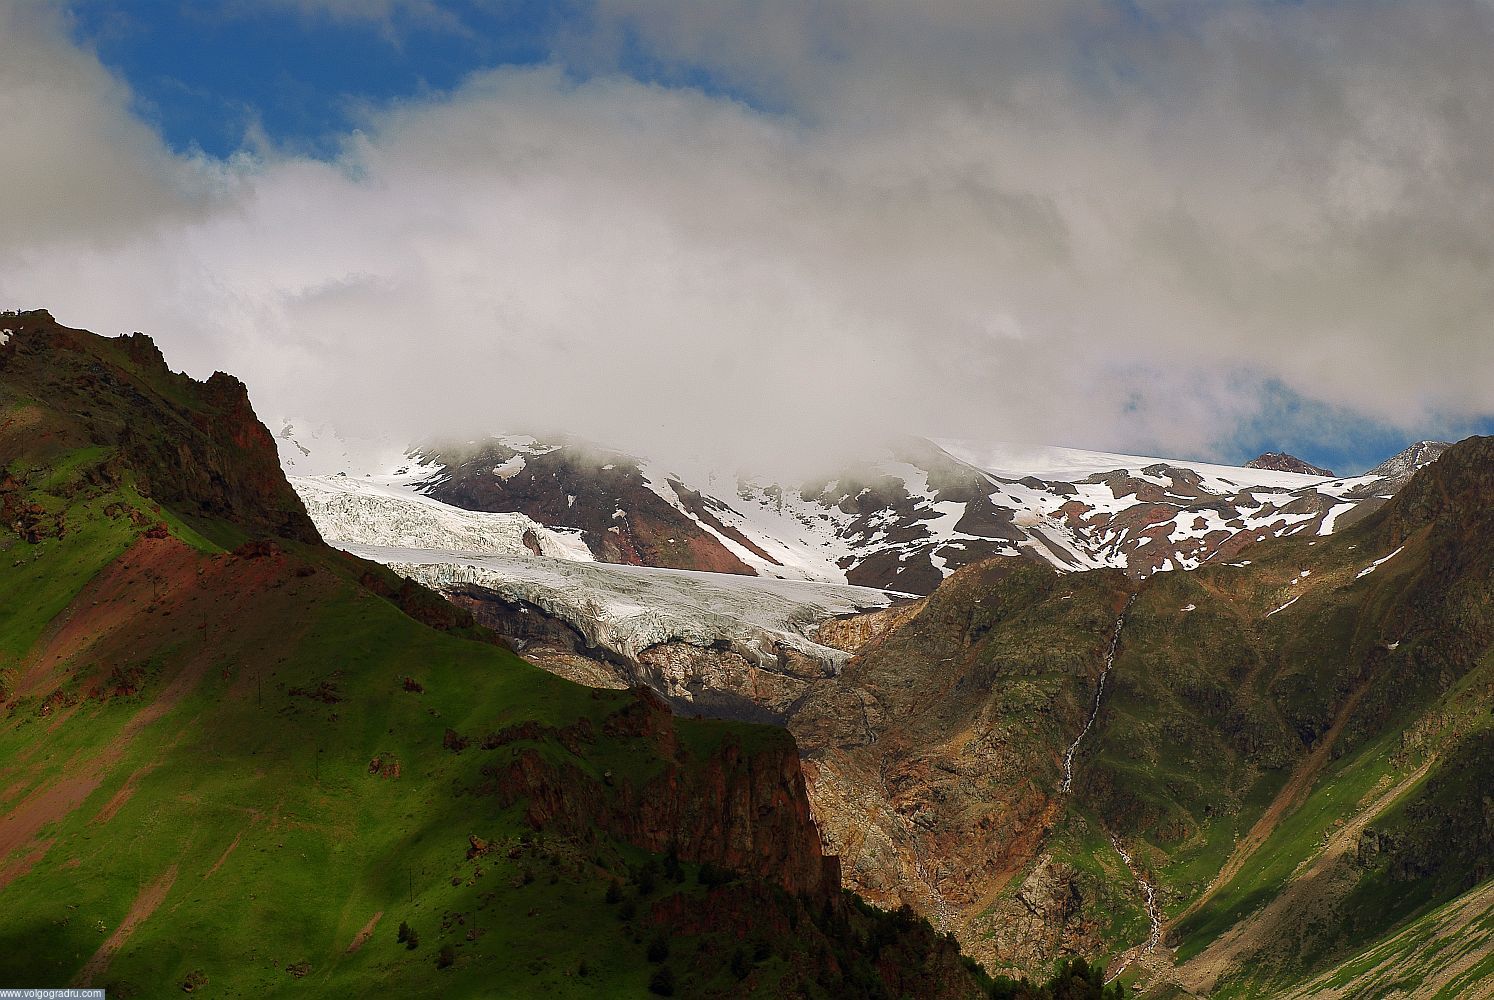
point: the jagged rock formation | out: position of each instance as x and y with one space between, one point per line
211 458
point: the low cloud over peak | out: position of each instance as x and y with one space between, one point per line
787 233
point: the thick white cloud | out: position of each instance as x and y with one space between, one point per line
1043 222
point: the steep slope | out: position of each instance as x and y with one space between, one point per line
1284 764
232 759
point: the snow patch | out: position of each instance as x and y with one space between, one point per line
1377 564
1285 606
509 469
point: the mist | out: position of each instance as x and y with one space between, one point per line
1054 222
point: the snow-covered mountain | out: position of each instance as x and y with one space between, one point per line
900 520
613 569
1400 467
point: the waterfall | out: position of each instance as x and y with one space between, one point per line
1068 757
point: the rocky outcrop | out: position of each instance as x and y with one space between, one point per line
1044 919
853 633
196 447
1280 461
744 811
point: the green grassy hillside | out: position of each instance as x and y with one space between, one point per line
235 762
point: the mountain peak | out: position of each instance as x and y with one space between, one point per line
1280 461
1400 467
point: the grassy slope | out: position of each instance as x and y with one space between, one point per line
187 780
286 780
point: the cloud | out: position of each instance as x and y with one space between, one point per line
75 164
781 231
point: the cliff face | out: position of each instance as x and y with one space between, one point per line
740 810
196 447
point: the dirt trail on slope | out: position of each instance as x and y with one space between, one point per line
1292 795
224 856
145 904
1304 897
361 938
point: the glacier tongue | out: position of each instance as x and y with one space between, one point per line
372 512
628 609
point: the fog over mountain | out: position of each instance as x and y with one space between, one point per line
780 233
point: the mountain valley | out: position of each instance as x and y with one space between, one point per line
1244 771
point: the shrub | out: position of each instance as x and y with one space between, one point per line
661 983
658 948
445 957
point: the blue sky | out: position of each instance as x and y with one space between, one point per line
1193 230
209 75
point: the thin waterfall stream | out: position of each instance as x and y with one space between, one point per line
1148 890
1068 756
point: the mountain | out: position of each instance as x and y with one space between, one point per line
1280 461
902 520
469 527
1254 780
1242 778
1400 467
235 760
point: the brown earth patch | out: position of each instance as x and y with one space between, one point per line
224 856
145 904
119 798
19 826
361 938
20 866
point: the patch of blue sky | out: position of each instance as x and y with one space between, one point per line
1344 440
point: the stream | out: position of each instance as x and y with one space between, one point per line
1148 890
1153 912
1068 757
